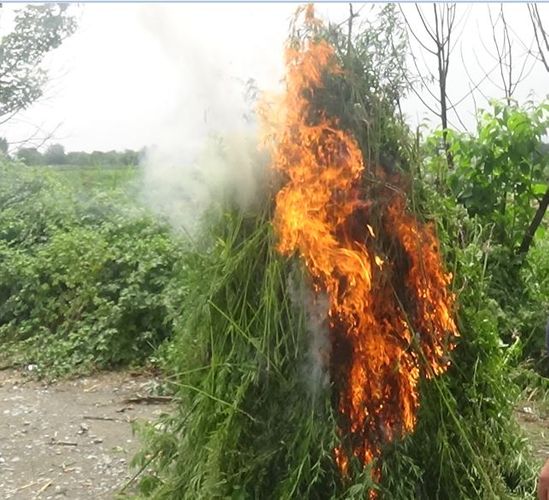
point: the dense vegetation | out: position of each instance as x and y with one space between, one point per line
89 279
55 155
500 177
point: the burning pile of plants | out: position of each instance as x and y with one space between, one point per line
320 354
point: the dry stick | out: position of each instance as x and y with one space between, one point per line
140 471
63 443
441 35
539 32
542 29
500 54
8 367
44 488
91 417
510 48
350 27
524 73
148 399
27 486
34 136
530 397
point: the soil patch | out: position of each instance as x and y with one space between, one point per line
71 439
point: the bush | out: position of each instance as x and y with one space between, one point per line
84 284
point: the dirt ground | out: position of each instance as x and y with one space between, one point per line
71 439
533 417
74 440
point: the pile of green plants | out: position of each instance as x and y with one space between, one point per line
252 422
86 281
254 419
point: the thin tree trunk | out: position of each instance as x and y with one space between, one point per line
536 221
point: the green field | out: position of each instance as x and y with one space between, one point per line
97 178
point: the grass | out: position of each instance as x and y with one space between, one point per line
97 178
253 423
241 371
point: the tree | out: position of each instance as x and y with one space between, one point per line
439 43
540 33
30 156
55 155
38 30
507 58
129 157
79 158
501 172
3 146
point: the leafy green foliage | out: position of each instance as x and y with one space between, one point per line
500 175
38 30
467 443
84 283
248 424
529 305
503 169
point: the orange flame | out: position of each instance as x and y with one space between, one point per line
389 308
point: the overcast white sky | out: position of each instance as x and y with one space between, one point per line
134 71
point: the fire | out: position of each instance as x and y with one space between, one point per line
390 313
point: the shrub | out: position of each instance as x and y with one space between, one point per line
84 284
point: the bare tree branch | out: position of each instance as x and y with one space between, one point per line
440 33
35 139
540 33
424 47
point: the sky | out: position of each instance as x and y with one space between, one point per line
139 74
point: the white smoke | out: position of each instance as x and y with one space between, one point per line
207 145
320 348
316 306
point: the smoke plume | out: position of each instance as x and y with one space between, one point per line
207 147
316 306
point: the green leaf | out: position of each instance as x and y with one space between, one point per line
539 189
